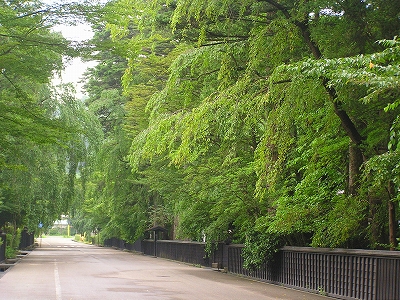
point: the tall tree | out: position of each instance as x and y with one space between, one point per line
37 123
264 120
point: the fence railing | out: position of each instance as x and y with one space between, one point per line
121 244
188 252
341 273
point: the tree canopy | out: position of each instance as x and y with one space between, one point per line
46 134
269 121
264 122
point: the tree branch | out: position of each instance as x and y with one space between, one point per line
346 122
282 81
201 75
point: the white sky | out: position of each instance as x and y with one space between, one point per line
75 68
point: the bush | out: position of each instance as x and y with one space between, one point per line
260 248
12 243
11 252
58 231
78 238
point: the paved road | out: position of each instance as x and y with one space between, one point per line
62 270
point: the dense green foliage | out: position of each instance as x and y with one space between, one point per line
263 122
46 134
259 122
273 120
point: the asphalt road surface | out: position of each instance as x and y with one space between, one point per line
62 269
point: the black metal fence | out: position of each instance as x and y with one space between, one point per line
121 244
341 273
188 252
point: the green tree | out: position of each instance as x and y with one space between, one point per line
43 131
255 119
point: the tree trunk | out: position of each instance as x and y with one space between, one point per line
375 231
392 226
392 217
356 156
355 162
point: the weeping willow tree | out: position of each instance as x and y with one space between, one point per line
46 134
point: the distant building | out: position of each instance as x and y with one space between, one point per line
61 224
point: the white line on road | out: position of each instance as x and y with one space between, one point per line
57 281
